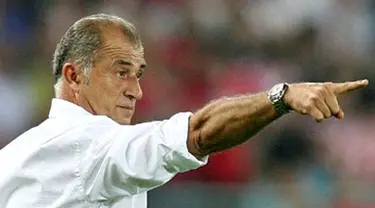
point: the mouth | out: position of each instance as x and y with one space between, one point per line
125 107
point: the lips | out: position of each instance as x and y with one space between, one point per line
126 107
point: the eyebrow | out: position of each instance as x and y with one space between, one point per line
127 63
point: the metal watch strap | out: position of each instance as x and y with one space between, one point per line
281 107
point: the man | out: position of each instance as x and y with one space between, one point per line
87 155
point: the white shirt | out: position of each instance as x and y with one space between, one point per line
77 160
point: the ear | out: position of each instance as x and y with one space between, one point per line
72 75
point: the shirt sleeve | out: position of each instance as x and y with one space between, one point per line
132 159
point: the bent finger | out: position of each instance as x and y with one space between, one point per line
332 103
317 115
323 108
340 114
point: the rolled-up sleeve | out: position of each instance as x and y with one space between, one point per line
127 160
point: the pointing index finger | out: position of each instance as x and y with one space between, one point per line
345 87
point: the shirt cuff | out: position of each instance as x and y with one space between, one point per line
179 159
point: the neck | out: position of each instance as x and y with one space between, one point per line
64 92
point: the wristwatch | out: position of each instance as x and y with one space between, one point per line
276 95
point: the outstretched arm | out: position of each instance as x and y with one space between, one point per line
228 122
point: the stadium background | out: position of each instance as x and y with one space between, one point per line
198 50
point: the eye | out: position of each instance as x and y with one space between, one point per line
122 73
139 74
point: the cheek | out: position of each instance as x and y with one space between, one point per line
110 90
107 86
101 91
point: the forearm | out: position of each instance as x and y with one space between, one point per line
228 122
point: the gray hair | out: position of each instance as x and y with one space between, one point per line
83 39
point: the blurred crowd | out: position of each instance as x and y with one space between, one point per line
199 50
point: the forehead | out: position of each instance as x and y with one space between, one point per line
115 44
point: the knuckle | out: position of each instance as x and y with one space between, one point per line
327 114
308 106
313 98
327 88
304 110
316 113
321 90
318 118
328 85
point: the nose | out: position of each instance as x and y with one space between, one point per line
134 90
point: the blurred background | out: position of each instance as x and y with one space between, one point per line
198 50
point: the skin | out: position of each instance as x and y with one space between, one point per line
113 88
228 122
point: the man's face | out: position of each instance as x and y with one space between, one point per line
113 84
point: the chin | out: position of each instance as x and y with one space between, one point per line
124 121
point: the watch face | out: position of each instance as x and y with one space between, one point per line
276 93
276 90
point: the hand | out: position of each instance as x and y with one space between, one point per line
319 100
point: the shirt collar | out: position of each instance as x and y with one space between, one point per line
63 108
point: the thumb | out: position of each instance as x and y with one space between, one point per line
340 114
